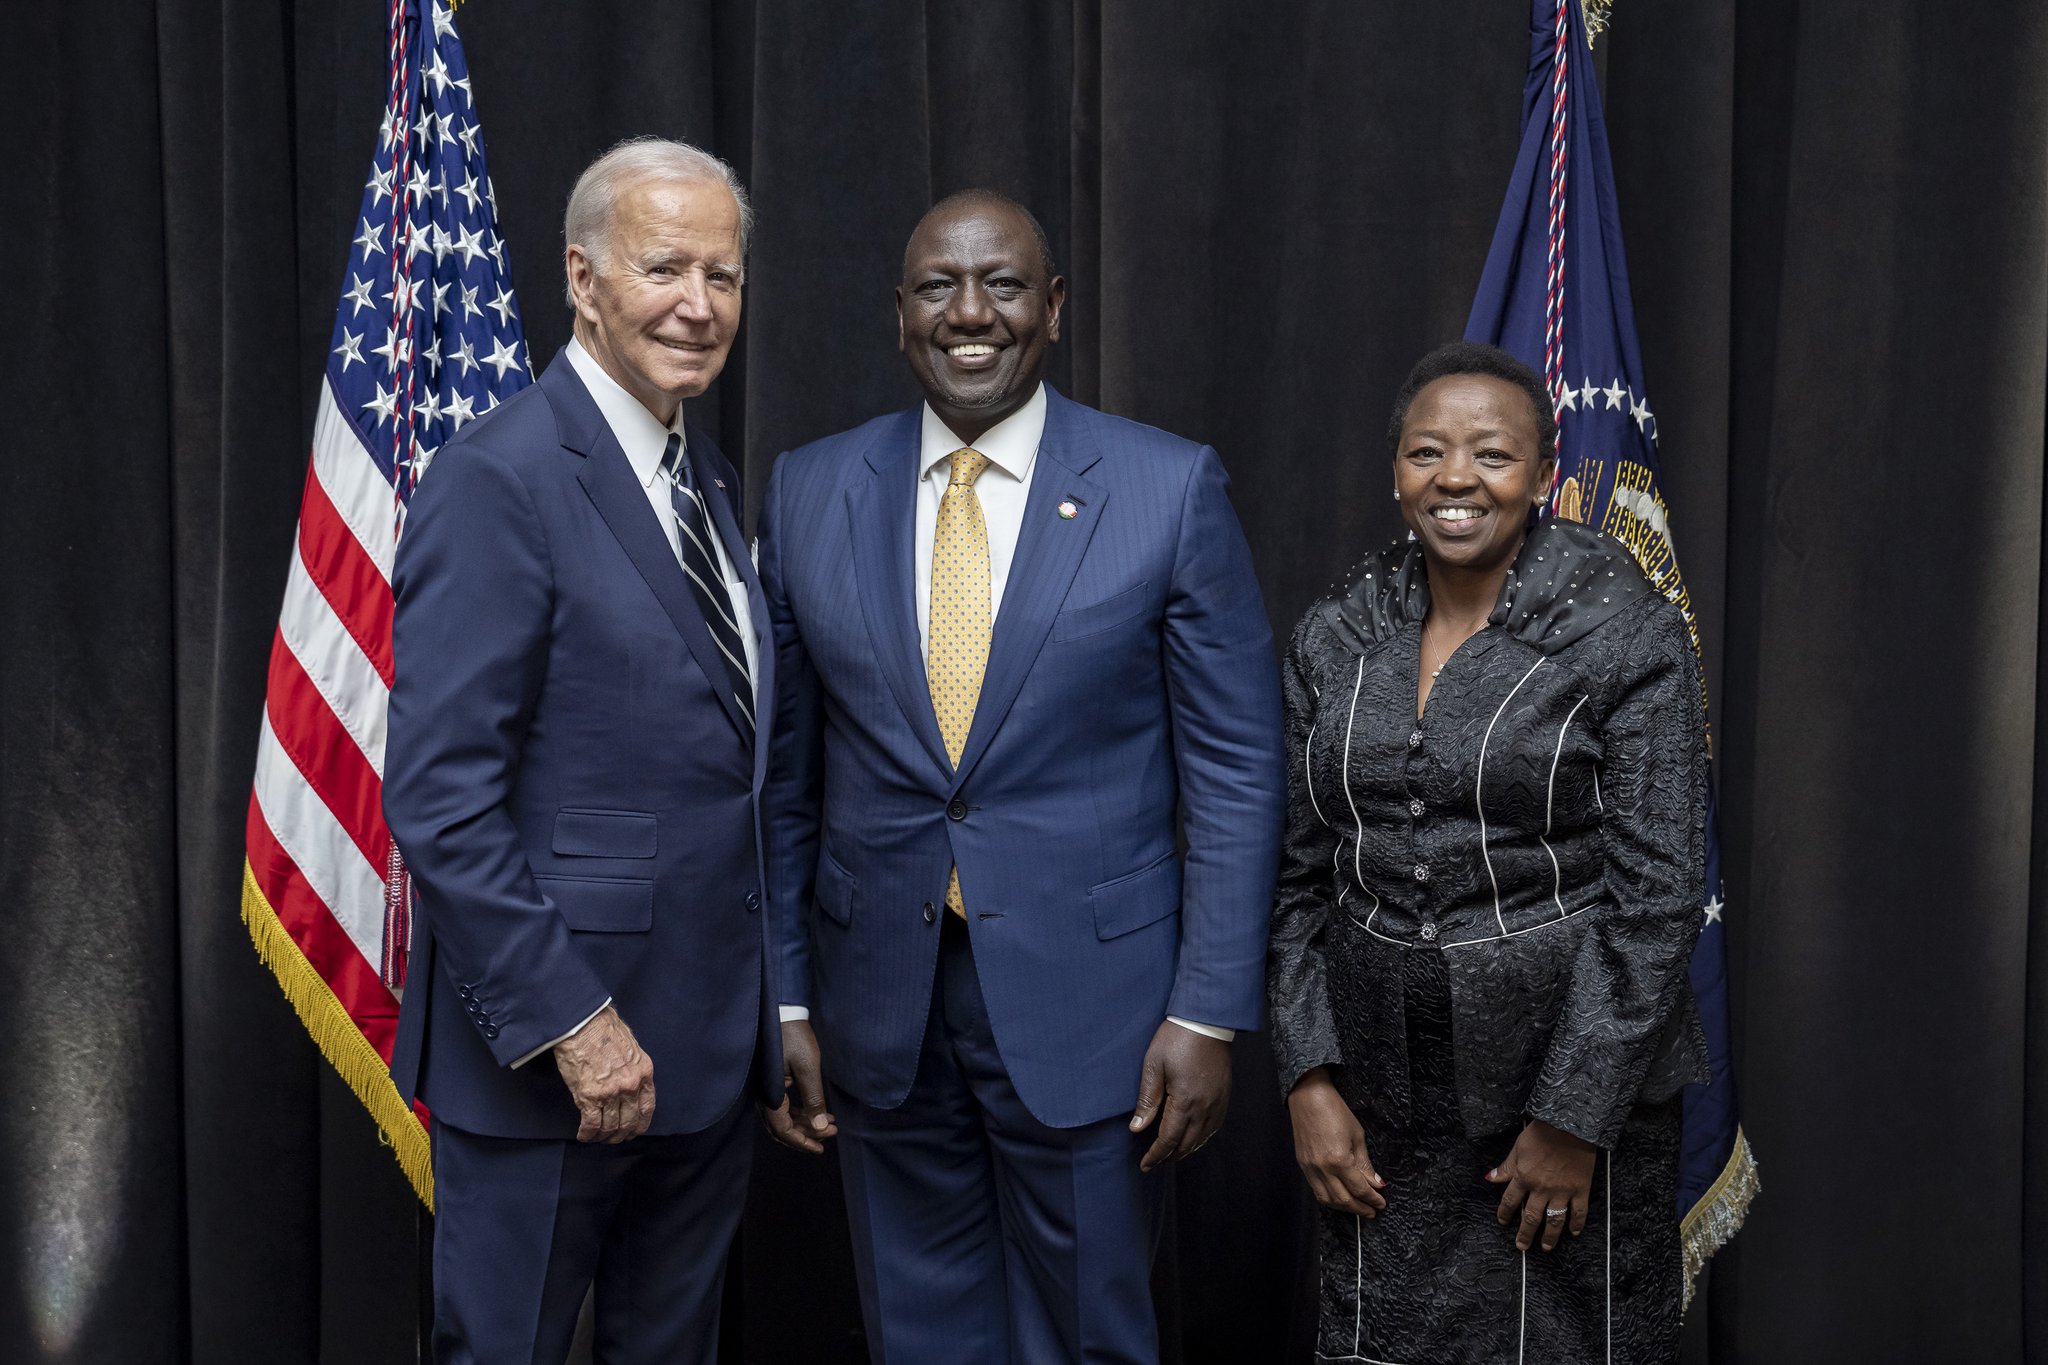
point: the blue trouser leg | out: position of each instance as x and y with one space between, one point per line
523 1227
982 1234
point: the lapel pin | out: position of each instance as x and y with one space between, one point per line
720 484
1068 511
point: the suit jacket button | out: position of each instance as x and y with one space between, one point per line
753 901
464 993
956 809
490 1030
930 914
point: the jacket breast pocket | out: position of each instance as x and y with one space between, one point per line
602 905
1128 903
603 833
836 889
1101 616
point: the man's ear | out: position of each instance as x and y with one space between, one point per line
576 263
1055 299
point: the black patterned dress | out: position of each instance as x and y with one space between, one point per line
1484 917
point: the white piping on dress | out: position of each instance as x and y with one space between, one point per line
1607 1216
1549 801
1479 784
1308 775
1344 776
1522 1342
1366 924
1517 933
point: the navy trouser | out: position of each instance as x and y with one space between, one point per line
522 1228
981 1234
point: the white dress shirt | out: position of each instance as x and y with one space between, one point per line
1011 446
645 441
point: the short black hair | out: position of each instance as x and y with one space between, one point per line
1476 357
987 198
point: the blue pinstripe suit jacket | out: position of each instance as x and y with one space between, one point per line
1131 685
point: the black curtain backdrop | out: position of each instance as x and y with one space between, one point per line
1837 214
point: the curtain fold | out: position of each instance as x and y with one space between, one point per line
1837 223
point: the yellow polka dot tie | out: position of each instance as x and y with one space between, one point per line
956 654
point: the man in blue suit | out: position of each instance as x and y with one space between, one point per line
1019 641
574 773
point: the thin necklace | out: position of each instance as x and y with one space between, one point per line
1436 672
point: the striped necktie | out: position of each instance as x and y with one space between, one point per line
707 581
956 650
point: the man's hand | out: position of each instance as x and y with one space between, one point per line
609 1077
801 1121
1187 1074
1549 1179
1329 1146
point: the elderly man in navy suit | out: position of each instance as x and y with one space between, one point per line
575 768
1020 644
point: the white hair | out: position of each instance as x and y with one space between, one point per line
588 220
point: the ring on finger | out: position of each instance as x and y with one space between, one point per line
1555 1213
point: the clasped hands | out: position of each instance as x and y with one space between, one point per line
1547 1169
1184 1085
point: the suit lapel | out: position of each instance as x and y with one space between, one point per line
1049 550
607 476
882 512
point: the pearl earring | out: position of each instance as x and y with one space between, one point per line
1397 495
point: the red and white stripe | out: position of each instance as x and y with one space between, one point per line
318 846
1560 147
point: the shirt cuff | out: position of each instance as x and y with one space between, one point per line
565 1037
792 1013
1221 1035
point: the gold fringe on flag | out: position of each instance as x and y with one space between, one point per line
1719 1213
1595 13
338 1038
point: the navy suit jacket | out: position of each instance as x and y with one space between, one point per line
567 778
1131 681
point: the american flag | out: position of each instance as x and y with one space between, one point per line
426 339
1555 293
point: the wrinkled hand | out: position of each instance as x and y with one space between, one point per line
1187 1078
609 1077
1548 1169
1329 1146
801 1121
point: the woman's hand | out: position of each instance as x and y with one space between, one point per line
1329 1146
1548 1169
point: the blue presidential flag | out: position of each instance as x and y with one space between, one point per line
1555 293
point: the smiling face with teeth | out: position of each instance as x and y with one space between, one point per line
977 310
1469 468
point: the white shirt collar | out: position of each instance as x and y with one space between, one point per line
1011 444
643 438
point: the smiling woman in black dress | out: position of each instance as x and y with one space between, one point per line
1492 883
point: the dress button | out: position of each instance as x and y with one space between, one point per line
1429 933
1415 806
753 901
1421 872
1415 739
956 809
930 914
